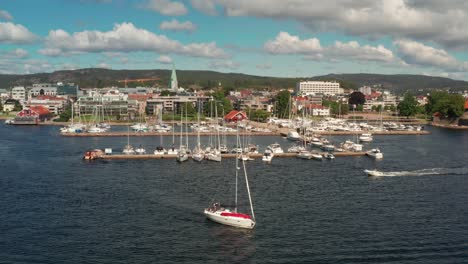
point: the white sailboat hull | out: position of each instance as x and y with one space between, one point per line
182 157
214 157
198 156
230 220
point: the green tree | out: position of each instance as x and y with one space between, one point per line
65 115
336 108
357 98
18 106
448 105
188 108
282 102
258 115
408 106
167 93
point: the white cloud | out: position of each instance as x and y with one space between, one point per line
288 44
5 15
36 66
353 50
164 59
15 34
123 37
166 7
444 22
176 25
206 6
227 64
312 50
413 52
18 53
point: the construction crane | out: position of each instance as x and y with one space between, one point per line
138 80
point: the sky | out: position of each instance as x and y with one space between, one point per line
284 38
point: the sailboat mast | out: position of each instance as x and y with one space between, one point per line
198 122
217 128
237 163
248 190
181 125
186 125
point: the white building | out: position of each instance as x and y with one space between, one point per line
18 93
43 89
318 87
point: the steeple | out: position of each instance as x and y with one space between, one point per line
174 83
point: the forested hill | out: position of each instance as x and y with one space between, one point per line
94 77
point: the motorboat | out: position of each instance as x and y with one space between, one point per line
304 154
316 156
159 150
366 137
275 148
293 135
374 173
329 156
267 156
295 149
375 153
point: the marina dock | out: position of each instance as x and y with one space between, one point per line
282 132
229 155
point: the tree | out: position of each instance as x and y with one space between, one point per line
357 98
258 115
167 93
448 105
18 106
408 106
336 108
188 108
282 101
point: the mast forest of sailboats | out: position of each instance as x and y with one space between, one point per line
182 155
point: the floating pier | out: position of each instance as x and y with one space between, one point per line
229 155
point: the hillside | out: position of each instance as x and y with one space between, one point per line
205 79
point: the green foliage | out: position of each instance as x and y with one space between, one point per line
357 98
65 115
408 106
18 106
282 102
257 115
188 108
167 93
376 108
336 108
448 105
390 108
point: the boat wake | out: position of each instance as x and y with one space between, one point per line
423 172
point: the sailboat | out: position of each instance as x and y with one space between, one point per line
221 214
214 153
128 149
198 154
182 155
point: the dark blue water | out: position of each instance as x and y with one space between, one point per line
56 208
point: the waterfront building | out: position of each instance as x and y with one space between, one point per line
235 116
54 104
32 115
255 103
18 93
172 103
318 87
9 105
317 110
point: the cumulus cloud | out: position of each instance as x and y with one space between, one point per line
226 64
176 25
444 22
5 15
413 52
288 44
15 34
17 53
164 59
284 43
166 7
123 37
206 6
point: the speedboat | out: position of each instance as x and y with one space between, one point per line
329 156
293 135
275 148
374 173
316 156
375 153
295 149
128 150
159 150
304 154
267 156
366 137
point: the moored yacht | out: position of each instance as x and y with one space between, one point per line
375 153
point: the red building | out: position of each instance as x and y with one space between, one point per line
235 116
32 115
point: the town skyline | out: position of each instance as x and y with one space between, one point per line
273 38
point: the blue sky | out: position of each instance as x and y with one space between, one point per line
263 37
